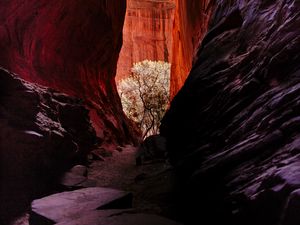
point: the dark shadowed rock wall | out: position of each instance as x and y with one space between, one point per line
233 130
38 140
73 47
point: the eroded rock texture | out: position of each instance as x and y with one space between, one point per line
190 25
147 33
38 140
73 47
233 129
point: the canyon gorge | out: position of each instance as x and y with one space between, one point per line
232 129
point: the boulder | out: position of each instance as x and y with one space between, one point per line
153 148
76 178
79 170
71 180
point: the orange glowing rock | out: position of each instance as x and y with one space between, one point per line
147 33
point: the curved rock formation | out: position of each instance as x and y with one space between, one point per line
38 140
147 33
73 47
233 129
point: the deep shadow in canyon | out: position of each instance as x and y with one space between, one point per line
232 131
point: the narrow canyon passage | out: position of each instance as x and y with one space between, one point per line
72 150
151 183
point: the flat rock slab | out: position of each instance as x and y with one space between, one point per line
96 218
59 207
92 216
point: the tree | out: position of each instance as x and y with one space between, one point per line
145 94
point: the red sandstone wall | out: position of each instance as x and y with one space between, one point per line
72 46
190 25
147 33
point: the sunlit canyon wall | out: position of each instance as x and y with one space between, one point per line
167 30
190 25
147 33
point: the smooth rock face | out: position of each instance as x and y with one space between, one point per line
233 129
37 141
73 47
147 33
124 219
68 205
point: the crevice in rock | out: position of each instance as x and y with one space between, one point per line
231 21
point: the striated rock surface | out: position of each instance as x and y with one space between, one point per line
70 46
190 25
147 33
38 140
233 129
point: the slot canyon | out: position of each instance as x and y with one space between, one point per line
228 151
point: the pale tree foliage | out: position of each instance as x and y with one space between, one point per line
145 94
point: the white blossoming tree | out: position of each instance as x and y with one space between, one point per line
145 94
